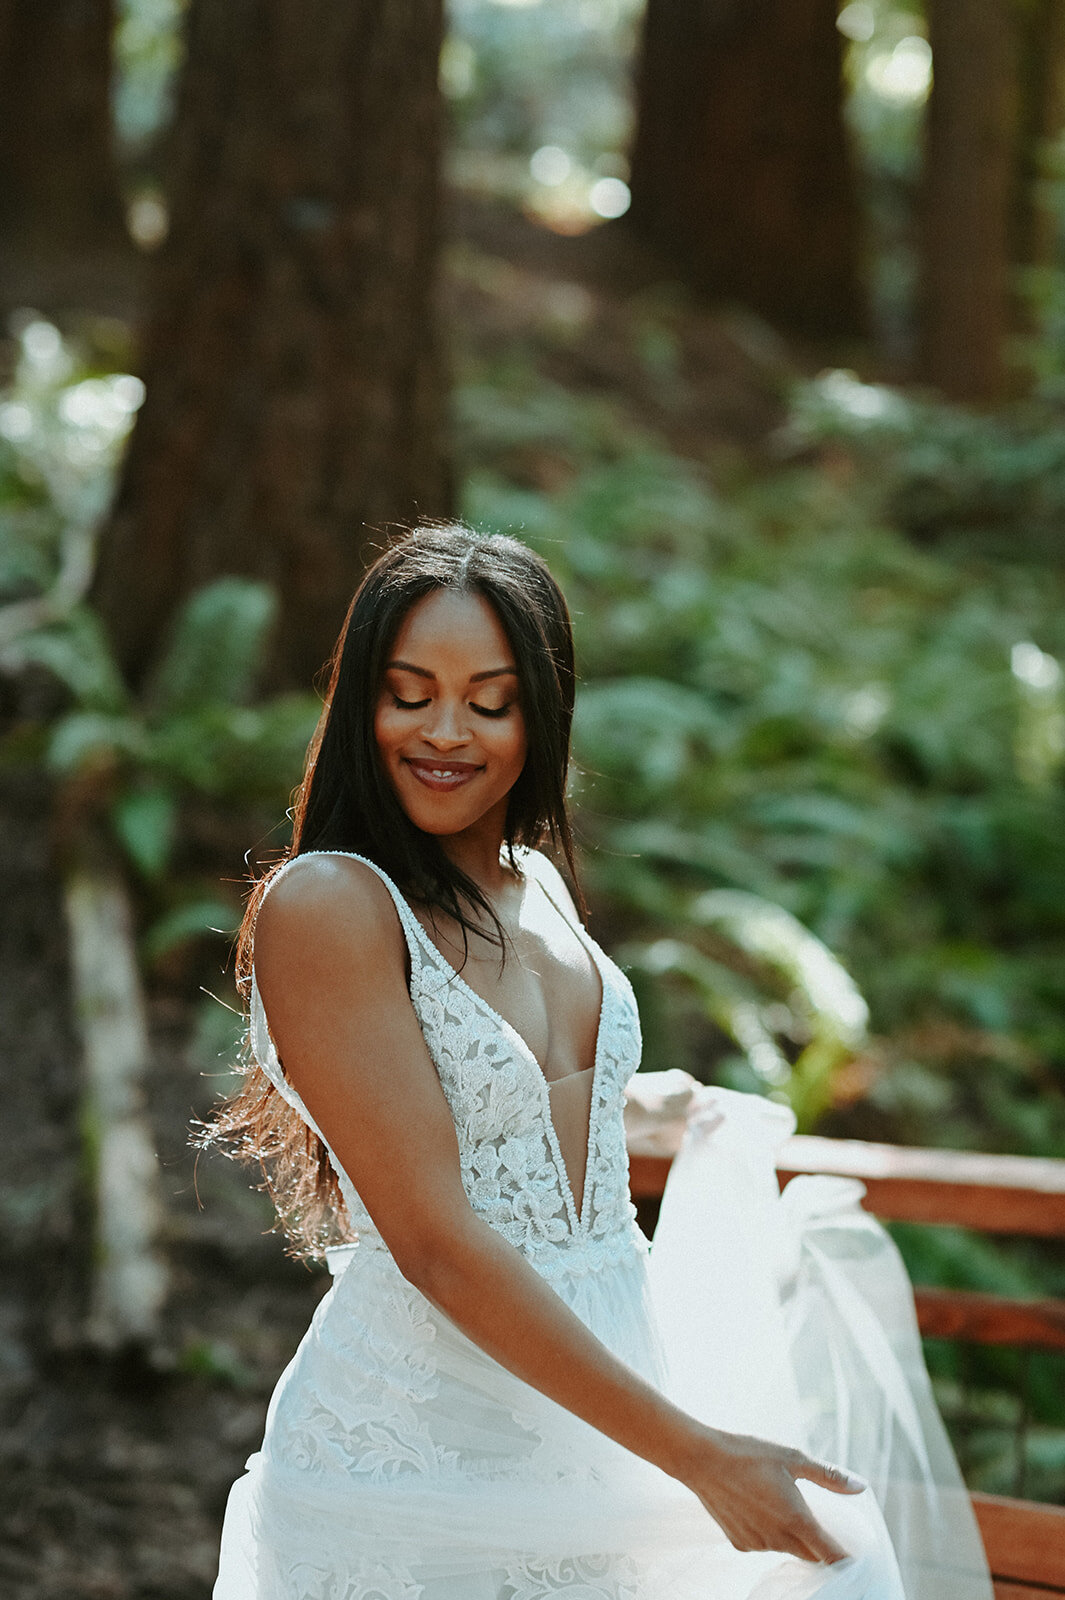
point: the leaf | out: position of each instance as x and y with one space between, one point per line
145 821
187 922
644 728
773 935
215 648
715 851
238 752
729 1000
84 738
78 652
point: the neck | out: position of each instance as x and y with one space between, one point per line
477 853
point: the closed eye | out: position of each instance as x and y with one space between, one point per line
408 705
498 711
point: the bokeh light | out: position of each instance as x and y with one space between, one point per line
857 21
904 74
550 165
609 198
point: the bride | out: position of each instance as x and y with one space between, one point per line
503 1396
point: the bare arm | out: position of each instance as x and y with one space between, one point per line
329 957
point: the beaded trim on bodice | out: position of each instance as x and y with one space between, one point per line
511 1164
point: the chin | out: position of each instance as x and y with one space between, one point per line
440 815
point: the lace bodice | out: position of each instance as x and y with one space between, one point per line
512 1167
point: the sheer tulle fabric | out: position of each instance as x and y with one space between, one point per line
791 1317
400 1462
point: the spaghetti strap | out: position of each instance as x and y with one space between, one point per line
263 1048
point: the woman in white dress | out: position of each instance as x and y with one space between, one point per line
497 1399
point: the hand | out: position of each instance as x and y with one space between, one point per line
748 1487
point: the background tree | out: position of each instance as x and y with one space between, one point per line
1041 118
740 167
967 191
292 364
60 206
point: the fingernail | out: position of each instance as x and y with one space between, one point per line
855 1482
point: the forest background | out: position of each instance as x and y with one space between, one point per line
750 317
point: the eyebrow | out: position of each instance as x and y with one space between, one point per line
475 677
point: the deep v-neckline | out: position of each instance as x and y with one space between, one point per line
579 1215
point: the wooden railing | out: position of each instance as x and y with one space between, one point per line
1025 1541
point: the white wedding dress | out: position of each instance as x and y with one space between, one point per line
400 1462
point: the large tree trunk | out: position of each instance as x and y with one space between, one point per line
59 194
740 167
966 200
1041 119
294 391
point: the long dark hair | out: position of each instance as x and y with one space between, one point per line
346 802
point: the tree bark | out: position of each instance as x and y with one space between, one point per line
294 390
1041 119
58 186
741 173
964 294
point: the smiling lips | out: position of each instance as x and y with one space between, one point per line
442 775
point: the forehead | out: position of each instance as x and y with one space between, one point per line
450 629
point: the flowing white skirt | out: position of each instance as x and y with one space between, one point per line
402 1463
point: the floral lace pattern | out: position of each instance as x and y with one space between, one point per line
512 1167
582 1578
370 1580
374 1423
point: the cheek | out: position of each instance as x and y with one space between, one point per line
385 731
519 744
504 744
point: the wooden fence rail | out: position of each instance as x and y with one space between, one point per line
1025 1542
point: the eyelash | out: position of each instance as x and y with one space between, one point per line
416 705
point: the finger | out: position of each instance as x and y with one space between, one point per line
811 1545
817 1545
828 1551
804 1529
838 1479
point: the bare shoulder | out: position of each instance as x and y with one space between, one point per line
539 866
327 904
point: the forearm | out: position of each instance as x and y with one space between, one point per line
490 1291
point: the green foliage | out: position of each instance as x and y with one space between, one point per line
787 694
191 735
188 921
134 765
145 821
218 1362
991 484
76 651
216 648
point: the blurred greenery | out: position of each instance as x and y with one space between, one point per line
133 765
786 695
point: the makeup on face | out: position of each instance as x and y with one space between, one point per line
449 723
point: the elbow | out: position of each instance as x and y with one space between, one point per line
435 1262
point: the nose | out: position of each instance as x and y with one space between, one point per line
447 728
